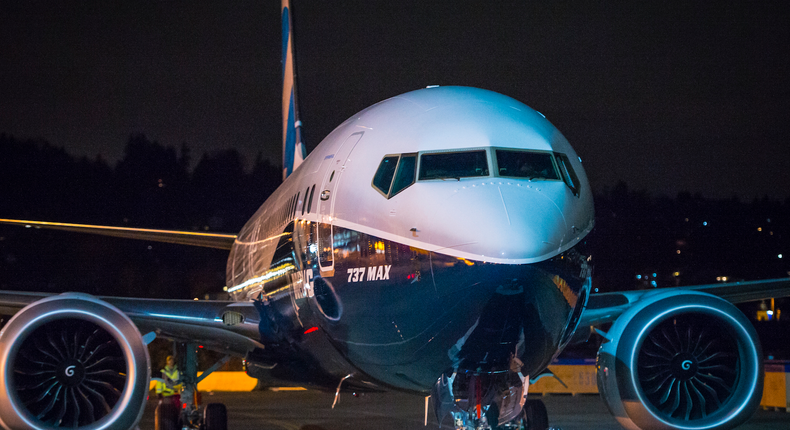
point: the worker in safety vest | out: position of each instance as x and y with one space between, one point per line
169 389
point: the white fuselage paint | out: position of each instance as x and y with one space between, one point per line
490 219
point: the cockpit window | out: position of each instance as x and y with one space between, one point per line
405 175
453 165
568 175
395 174
382 180
525 164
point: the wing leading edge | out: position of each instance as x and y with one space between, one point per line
606 307
229 327
206 240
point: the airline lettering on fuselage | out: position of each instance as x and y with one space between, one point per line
374 273
303 284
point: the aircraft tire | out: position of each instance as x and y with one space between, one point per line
166 416
536 416
215 417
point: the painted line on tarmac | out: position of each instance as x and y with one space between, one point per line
281 424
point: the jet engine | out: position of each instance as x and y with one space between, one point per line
72 360
681 360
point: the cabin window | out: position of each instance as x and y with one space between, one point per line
310 203
568 174
405 175
382 180
453 165
526 164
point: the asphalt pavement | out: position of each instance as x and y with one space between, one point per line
312 410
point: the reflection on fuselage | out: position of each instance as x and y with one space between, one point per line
402 315
436 232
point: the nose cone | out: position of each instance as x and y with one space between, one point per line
501 221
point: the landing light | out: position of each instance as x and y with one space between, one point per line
780 255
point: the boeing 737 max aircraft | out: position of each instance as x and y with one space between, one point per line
432 243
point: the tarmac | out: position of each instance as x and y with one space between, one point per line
312 410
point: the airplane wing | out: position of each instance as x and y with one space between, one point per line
206 240
606 307
229 327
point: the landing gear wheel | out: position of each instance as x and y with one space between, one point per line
215 417
166 416
535 415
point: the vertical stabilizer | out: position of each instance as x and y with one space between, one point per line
294 151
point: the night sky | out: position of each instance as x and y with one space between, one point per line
666 96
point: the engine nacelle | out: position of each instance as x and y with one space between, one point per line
72 360
681 360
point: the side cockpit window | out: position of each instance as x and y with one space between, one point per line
525 164
383 178
405 175
453 165
395 174
568 175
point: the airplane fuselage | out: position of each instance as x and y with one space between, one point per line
433 232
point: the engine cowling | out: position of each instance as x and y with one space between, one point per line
72 360
681 360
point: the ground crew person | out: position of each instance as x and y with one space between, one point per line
169 389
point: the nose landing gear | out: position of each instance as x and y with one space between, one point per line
533 416
487 401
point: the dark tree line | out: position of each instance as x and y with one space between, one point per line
688 240
640 241
150 187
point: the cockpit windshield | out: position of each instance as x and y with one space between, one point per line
526 164
453 165
397 171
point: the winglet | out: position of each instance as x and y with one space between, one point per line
294 151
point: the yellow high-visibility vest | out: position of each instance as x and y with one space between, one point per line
169 389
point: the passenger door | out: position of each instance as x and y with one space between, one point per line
326 205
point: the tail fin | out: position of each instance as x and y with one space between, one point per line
294 151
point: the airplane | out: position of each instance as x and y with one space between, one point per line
433 243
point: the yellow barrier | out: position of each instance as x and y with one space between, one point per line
777 381
224 381
580 379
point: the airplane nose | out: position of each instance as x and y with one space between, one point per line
499 220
